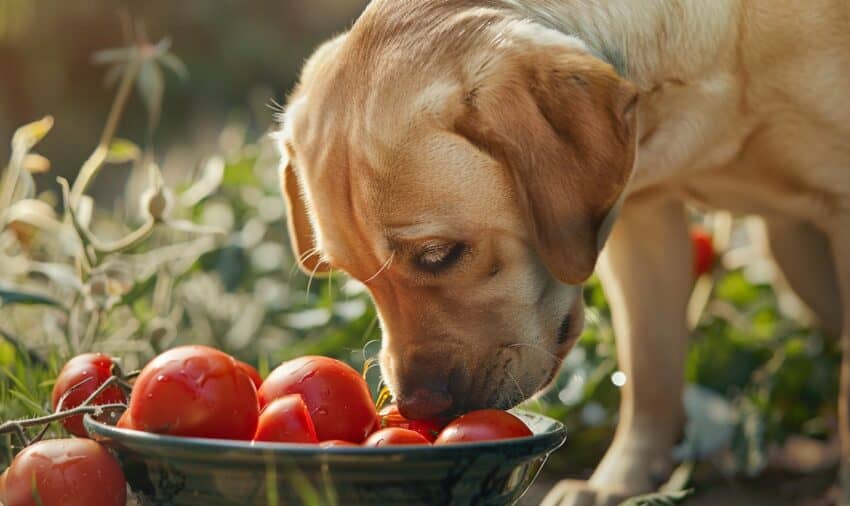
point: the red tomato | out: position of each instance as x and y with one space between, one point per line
3 486
483 425
65 472
251 372
336 443
286 420
395 436
195 391
703 247
97 367
391 417
125 422
336 396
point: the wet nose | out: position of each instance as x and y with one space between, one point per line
424 403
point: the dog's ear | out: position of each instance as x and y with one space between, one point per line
301 234
563 123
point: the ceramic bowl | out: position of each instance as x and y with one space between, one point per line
209 472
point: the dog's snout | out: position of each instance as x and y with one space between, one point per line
424 403
421 383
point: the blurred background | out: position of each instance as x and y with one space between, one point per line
241 55
217 268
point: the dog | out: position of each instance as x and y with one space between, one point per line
472 161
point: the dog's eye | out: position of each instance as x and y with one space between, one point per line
439 256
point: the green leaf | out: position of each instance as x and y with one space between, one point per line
175 64
114 73
151 86
30 134
25 298
114 55
34 406
210 180
240 173
659 499
123 151
162 46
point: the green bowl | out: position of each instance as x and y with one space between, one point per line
207 472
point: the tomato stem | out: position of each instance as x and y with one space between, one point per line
118 378
15 425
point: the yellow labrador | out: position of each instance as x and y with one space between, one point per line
466 160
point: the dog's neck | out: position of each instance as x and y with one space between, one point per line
647 41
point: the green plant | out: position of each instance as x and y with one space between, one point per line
200 261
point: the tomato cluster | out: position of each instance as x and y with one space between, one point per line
198 391
202 392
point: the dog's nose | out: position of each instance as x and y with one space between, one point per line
424 403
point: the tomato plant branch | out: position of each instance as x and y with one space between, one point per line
97 410
95 161
103 248
118 378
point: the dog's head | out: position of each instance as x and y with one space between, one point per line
464 164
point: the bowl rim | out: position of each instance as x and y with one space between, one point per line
551 439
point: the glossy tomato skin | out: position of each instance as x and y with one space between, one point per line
337 443
125 422
66 472
3 486
430 428
703 247
96 366
286 420
483 425
252 373
194 391
395 436
336 396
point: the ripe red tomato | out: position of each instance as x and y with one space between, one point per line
65 472
395 436
3 486
251 372
430 428
97 367
286 420
336 396
125 422
336 443
194 391
703 247
483 425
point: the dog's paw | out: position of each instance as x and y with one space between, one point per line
582 493
631 467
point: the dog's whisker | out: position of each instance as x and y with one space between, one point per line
384 267
275 106
554 357
302 258
365 349
312 275
308 254
518 387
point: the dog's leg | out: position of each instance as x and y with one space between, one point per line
646 273
839 236
803 254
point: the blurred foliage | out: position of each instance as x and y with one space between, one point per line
201 261
198 254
